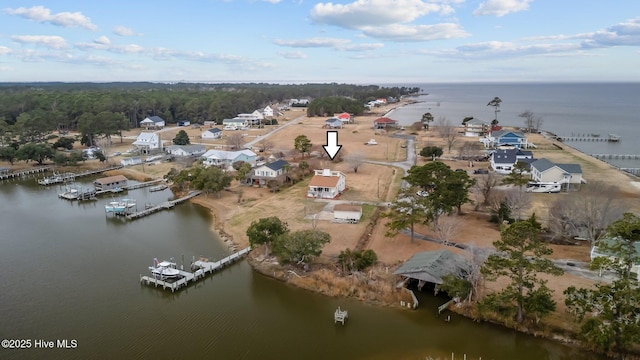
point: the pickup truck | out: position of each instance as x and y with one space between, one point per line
371 142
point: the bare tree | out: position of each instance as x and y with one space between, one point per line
447 131
470 150
587 213
532 121
235 141
265 145
447 228
354 160
477 257
518 200
485 185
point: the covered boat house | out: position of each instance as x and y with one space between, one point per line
432 266
110 182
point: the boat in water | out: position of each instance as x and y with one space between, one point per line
164 269
57 179
158 187
119 206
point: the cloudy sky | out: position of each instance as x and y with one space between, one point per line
293 41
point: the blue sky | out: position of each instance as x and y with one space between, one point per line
285 41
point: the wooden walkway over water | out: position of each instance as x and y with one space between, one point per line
23 173
617 156
162 206
201 269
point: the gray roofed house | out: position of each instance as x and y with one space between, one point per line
275 170
186 150
153 121
432 266
543 170
503 160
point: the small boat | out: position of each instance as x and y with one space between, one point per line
57 179
164 269
614 138
119 206
158 187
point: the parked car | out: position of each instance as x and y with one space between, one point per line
481 171
230 127
117 153
371 142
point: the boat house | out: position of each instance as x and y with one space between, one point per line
110 182
432 266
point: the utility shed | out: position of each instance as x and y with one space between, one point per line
347 213
432 266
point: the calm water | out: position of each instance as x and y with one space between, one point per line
567 110
68 271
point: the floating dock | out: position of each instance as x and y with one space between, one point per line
201 269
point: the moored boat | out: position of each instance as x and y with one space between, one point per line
164 269
158 187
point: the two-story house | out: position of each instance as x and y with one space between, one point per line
275 170
327 184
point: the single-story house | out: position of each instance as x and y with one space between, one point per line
432 266
131 161
155 122
543 171
146 142
184 123
186 150
475 127
110 182
212 134
275 170
333 123
225 159
598 252
237 122
327 184
384 122
347 213
344 117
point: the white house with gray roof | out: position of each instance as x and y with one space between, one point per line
153 122
186 150
225 159
147 142
275 170
212 134
543 170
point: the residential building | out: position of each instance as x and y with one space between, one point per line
225 159
476 127
153 122
275 170
509 138
347 213
384 122
212 134
503 160
186 150
239 123
147 142
131 161
545 171
327 184
267 111
333 123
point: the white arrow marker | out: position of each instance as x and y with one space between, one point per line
332 148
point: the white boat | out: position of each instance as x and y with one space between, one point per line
158 187
164 269
119 206
544 187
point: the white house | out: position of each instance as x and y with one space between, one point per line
131 161
347 213
238 122
147 142
275 170
153 122
224 159
543 170
186 150
212 134
327 184
503 160
475 127
267 111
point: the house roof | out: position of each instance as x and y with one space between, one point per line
277 165
111 179
347 207
432 266
502 133
154 119
505 156
570 168
227 155
542 165
145 138
188 148
324 181
476 121
384 120
344 115
214 130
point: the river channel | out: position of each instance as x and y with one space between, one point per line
68 271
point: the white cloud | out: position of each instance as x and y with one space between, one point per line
123 31
293 55
623 34
333 43
501 7
375 12
501 50
43 15
272 1
53 42
4 50
400 32
102 40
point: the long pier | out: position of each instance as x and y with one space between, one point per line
617 156
21 173
201 267
162 206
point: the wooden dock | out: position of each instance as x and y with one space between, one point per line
617 156
201 269
162 206
22 173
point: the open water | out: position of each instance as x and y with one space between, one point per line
70 272
575 109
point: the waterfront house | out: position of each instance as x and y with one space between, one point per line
275 170
110 182
327 184
569 175
212 134
509 138
186 150
225 159
475 127
503 160
131 161
433 266
153 122
384 122
597 251
147 142
347 213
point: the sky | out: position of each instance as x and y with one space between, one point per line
300 41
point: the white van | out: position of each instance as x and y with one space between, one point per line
230 127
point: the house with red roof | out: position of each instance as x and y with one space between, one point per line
384 122
344 117
327 184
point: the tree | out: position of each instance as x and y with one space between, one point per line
265 231
518 176
517 200
427 118
99 155
182 138
447 131
532 121
520 258
431 152
495 102
355 160
265 145
8 153
37 152
211 179
356 260
302 144
243 171
485 185
609 314
235 141
407 210
64 142
300 247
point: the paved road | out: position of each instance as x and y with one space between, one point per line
288 123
